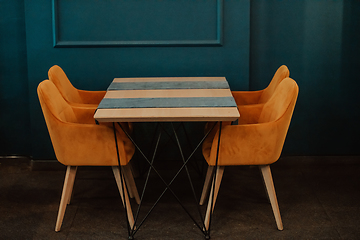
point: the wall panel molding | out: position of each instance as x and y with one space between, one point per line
74 28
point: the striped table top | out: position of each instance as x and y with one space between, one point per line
167 99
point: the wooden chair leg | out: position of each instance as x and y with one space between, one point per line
134 169
129 177
124 195
72 188
206 184
219 175
66 193
266 172
128 180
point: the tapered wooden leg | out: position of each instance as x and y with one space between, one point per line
130 182
210 209
124 195
72 188
127 179
66 193
266 172
206 184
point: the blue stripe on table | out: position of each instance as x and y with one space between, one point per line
169 85
193 102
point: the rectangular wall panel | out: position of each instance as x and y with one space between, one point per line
137 23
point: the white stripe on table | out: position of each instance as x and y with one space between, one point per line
166 114
169 79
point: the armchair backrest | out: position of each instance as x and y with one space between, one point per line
62 82
281 103
53 104
282 73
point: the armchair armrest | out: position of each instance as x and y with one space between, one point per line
250 144
86 115
250 114
91 97
89 144
246 97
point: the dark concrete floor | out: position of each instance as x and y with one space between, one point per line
319 198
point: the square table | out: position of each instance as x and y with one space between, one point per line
167 99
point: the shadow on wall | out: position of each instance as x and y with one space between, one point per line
319 42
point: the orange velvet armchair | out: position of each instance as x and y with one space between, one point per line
259 143
78 141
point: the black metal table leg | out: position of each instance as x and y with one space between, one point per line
135 228
122 181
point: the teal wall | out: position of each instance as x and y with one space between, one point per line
317 40
14 99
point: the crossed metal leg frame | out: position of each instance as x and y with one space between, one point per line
199 169
134 224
